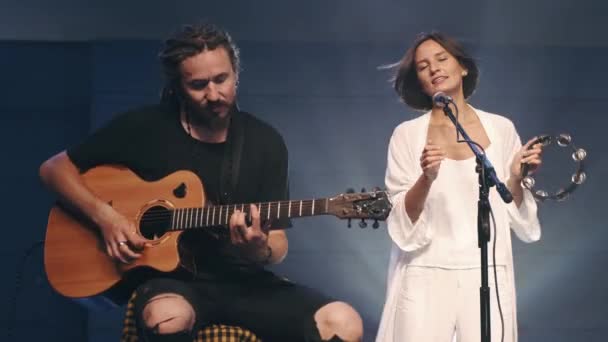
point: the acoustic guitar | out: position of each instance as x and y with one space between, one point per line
75 258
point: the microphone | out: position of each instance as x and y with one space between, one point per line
440 98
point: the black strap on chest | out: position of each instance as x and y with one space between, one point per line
231 162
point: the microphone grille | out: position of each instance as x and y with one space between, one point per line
441 98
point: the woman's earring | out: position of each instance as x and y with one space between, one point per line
464 73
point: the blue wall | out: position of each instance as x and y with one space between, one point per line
44 104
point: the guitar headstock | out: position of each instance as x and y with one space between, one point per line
374 205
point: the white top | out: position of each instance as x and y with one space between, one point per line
445 234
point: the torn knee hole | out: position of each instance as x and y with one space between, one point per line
168 313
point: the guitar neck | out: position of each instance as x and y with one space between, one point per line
192 218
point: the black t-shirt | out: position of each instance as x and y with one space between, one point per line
152 143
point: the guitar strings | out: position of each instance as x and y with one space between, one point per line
200 214
168 213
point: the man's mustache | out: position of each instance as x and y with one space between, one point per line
216 104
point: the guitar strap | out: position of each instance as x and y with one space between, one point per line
231 163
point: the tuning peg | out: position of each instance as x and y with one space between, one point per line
348 224
350 191
376 189
362 224
362 189
376 224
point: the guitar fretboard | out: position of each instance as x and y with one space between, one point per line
190 218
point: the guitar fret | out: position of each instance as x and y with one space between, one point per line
207 219
196 217
184 218
300 207
219 220
173 219
175 216
176 219
213 217
269 210
313 207
190 216
289 210
179 218
327 205
279 210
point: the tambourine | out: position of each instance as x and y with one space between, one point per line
578 177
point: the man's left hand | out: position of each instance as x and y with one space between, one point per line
254 238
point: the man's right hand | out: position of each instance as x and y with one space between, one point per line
122 241
62 176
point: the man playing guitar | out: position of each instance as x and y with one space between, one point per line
240 159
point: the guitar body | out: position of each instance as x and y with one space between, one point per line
75 258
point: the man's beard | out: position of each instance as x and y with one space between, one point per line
207 116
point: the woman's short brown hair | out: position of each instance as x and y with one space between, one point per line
406 82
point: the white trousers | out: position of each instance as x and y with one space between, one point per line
437 305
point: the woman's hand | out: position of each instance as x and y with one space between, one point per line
431 159
528 154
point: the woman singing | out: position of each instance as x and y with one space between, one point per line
434 271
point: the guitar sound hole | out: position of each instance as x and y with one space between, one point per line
155 222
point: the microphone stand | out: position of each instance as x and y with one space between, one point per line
487 178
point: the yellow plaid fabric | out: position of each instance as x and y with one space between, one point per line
211 333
